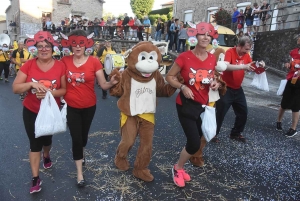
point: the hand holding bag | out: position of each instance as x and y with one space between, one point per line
209 123
63 113
281 87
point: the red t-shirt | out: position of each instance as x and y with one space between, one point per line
50 79
80 82
295 55
194 72
235 78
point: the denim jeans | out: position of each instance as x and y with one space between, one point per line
235 98
172 37
181 42
96 31
158 36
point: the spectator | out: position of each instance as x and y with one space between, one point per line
48 24
125 25
174 29
102 27
109 27
282 14
241 20
120 28
234 19
248 18
255 15
133 28
140 28
90 27
290 97
182 36
241 34
147 24
159 29
96 27
168 34
238 60
264 14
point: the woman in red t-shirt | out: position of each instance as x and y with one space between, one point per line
80 96
291 95
197 69
37 76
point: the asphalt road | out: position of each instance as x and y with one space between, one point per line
265 168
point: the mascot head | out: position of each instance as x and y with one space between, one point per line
144 58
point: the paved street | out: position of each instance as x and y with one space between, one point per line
265 168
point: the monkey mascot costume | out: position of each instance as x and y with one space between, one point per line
139 85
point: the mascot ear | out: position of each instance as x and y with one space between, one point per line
162 50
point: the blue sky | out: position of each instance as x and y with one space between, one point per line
110 6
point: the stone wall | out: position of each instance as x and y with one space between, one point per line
117 44
274 47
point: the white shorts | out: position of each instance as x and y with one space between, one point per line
256 22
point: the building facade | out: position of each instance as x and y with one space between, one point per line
28 15
203 10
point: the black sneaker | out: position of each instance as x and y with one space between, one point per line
278 126
238 138
291 133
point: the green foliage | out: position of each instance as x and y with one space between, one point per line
164 18
222 17
170 15
163 11
106 15
153 18
141 7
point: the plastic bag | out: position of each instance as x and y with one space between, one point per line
209 123
260 81
281 87
49 120
63 113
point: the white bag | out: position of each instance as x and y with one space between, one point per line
281 87
63 113
209 123
260 81
49 120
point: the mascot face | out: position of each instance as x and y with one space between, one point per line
144 59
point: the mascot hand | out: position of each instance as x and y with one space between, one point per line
116 76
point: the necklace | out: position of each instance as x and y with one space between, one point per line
79 63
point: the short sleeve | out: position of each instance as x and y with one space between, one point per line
180 60
97 64
228 56
249 59
14 54
26 66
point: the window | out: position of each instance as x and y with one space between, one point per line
188 16
210 12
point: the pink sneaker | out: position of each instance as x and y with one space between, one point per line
178 177
185 175
37 188
47 163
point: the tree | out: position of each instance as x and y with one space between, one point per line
222 17
141 7
106 15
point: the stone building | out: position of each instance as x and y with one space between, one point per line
203 10
28 15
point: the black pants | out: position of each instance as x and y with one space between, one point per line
36 144
140 35
235 98
79 123
104 92
5 67
111 32
192 130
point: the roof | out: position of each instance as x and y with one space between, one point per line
168 3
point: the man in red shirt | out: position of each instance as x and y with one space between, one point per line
238 60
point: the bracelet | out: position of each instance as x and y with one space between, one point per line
182 87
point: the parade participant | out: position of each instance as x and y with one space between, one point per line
290 97
238 60
140 84
107 49
36 77
82 70
4 61
16 55
195 66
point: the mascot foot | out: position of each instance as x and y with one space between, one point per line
197 161
121 163
144 175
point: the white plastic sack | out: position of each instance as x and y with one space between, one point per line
209 123
281 87
49 120
260 81
63 113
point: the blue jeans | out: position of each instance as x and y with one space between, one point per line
181 42
235 98
158 36
96 31
172 37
